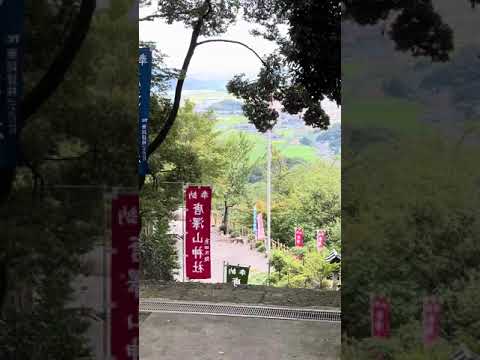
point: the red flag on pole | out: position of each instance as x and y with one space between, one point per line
380 317
431 320
198 206
298 237
125 277
321 239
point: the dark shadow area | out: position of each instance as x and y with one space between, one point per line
410 177
74 131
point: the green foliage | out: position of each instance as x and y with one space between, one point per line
87 124
458 76
309 197
231 184
218 14
159 259
422 228
301 73
312 271
396 348
189 154
258 278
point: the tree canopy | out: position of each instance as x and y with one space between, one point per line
414 26
80 135
300 74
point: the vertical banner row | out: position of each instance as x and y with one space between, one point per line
431 320
198 207
299 237
380 316
380 312
255 222
11 42
125 277
260 227
321 240
145 77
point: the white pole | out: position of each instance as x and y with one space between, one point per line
269 191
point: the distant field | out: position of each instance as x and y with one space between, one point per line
227 121
287 143
198 96
303 152
389 113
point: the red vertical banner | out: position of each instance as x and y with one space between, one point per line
321 239
380 317
198 207
431 320
298 237
125 277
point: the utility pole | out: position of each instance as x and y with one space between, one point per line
269 201
269 191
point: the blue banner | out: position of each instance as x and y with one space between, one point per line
11 39
145 78
255 221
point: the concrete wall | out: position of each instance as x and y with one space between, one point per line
247 294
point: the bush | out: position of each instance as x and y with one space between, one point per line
261 248
258 244
258 279
159 260
251 237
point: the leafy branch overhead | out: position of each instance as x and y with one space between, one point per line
303 71
414 26
307 60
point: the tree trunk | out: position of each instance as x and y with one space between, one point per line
172 116
225 218
160 138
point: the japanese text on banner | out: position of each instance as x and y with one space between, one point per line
197 236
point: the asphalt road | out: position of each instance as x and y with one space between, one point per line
204 337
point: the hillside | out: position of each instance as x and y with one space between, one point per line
291 137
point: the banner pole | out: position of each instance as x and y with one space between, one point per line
183 235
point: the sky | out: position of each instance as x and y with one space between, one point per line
213 61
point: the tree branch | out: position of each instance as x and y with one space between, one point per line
67 158
234 42
151 17
178 90
60 65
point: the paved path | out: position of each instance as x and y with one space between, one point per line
222 250
203 337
